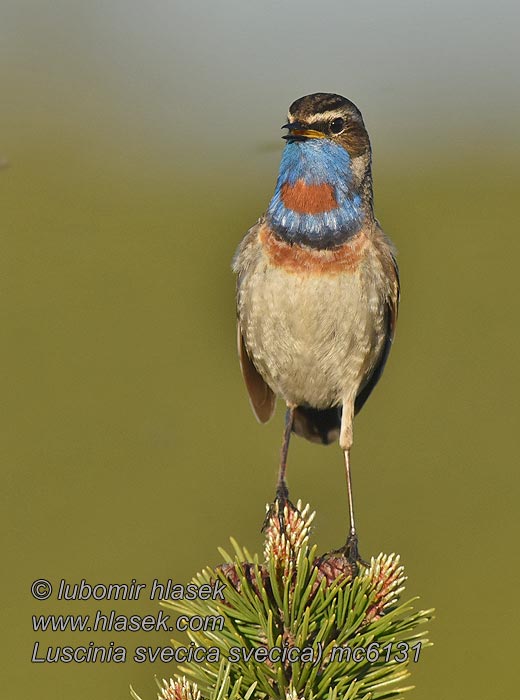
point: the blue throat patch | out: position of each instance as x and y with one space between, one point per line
316 162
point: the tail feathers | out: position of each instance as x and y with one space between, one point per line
317 425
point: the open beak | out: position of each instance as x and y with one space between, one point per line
298 131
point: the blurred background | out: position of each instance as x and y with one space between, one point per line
138 143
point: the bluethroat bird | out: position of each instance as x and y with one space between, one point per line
318 285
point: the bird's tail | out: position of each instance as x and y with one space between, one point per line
317 425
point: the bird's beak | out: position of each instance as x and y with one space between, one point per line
298 130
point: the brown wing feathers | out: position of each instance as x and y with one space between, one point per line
261 396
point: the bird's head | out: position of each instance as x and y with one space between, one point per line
325 115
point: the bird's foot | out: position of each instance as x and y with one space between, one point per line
277 508
352 554
341 562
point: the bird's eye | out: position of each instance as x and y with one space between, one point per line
337 125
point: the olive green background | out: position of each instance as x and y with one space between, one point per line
138 143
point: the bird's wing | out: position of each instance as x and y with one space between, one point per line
260 394
392 306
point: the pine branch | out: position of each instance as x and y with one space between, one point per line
298 626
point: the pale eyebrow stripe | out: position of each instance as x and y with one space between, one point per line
321 117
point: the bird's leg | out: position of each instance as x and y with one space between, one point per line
282 492
351 546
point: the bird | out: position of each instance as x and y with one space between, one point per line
317 286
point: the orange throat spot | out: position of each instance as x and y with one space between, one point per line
308 199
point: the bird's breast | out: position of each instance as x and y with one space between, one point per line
302 259
312 320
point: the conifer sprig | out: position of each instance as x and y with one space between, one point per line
301 627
